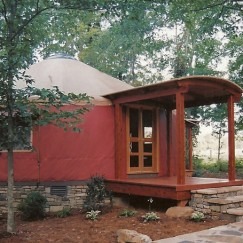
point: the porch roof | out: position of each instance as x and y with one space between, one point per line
198 90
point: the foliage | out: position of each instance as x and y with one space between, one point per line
48 107
132 39
33 206
96 194
239 164
65 212
93 214
197 216
197 166
127 213
150 216
201 166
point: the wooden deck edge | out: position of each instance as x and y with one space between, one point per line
148 190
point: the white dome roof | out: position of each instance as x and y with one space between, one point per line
73 76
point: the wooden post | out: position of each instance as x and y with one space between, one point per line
169 141
190 147
180 138
118 141
231 139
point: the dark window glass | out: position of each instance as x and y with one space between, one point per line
134 114
134 147
147 147
22 138
147 161
134 161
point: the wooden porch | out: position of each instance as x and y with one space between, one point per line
150 143
167 187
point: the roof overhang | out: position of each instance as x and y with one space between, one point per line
198 90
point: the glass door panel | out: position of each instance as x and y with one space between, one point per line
147 161
134 161
134 122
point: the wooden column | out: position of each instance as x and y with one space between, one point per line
118 141
190 147
180 138
169 142
231 138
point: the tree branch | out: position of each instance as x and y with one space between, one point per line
4 12
210 6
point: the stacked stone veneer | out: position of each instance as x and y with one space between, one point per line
74 198
215 202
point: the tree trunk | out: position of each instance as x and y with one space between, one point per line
219 143
10 220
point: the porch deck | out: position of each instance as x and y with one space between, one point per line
166 187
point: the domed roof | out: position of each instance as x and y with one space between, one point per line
73 76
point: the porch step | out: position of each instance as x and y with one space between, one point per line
227 200
233 214
235 211
224 202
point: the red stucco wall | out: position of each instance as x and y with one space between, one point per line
66 156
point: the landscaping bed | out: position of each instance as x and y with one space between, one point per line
76 228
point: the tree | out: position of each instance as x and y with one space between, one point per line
23 27
127 48
216 116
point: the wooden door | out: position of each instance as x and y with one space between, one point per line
141 140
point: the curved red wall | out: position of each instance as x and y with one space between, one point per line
68 156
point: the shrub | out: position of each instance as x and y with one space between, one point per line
197 216
33 206
151 216
65 212
127 213
239 163
93 214
198 166
96 194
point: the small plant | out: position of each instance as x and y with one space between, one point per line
197 216
33 206
65 212
93 214
127 213
151 216
150 200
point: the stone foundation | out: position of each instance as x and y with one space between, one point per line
74 197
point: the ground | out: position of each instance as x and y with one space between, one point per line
77 228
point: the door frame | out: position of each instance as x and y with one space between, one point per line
140 139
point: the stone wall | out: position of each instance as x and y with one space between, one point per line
215 202
73 198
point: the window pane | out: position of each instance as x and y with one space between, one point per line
147 123
147 161
147 147
134 114
134 147
21 139
134 161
